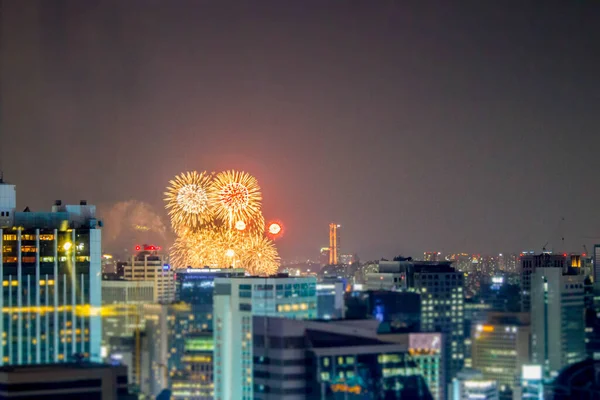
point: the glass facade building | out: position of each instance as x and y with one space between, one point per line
236 301
51 284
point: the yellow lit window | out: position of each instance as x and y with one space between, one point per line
42 282
9 237
46 237
14 283
5 283
50 282
27 237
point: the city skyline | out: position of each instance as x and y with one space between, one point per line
366 114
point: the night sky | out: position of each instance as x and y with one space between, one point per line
418 125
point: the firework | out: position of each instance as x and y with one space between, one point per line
260 256
236 197
187 200
212 246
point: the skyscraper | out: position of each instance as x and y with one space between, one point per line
501 347
148 265
596 263
51 279
529 264
236 300
334 243
558 322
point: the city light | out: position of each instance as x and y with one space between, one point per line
67 246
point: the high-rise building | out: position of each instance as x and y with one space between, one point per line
122 303
195 380
150 266
324 256
334 243
532 262
596 263
51 278
236 300
442 299
501 346
341 359
558 322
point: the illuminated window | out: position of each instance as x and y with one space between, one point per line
9 237
46 237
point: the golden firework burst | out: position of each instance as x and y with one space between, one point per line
235 196
187 199
259 256
211 246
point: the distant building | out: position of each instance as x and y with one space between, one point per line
324 256
151 266
167 326
501 346
296 359
558 321
236 301
596 263
346 259
397 311
65 381
532 262
51 272
195 286
432 256
441 288
195 380
334 243
471 385
330 298
122 303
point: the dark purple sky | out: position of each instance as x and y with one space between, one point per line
449 125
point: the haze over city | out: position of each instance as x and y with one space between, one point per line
445 126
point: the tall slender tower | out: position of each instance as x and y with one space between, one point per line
334 243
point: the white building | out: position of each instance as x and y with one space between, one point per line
151 267
470 385
558 321
236 300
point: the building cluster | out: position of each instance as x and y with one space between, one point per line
454 327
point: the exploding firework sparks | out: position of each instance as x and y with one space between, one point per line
236 197
187 200
260 256
219 223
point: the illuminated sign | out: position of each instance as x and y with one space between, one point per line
425 341
344 388
147 248
485 328
532 372
498 280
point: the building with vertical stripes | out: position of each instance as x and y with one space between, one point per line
51 282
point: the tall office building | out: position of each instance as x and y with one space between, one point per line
324 256
558 322
195 287
122 303
236 300
50 268
148 265
338 360
532 262
195 380
596 263
501 346
334 243
442 301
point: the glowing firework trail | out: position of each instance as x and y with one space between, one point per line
260 256
236 197
187 200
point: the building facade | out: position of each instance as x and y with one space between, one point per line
532 262
51 288
558 319
501 346
150 266
299 359
236 300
